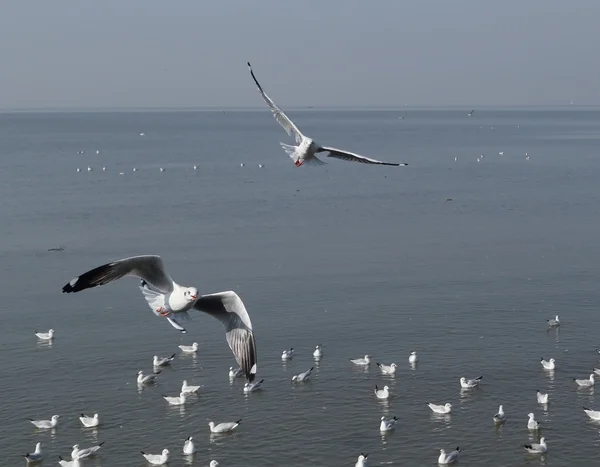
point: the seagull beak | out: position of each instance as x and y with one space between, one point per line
298 163
194 297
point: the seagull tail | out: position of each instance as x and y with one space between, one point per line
101 443
239 421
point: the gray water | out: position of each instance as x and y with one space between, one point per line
362 259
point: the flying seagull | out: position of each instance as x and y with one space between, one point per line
307 148
172 301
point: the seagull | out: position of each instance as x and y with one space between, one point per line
585 383
318 353
387 425
443 409
542 398
89 169
188 446
471 113
189 348
87 452
45 424
36 455
549 364
287 354
162 169
157 459
553 322
362 460
171 300
235 373
382 393
162 361
78 169
501 153
413 358
532 424
387 369
307 148
470 383
537 448
362 361
449 458
189 389
593 414
89 422
65 463
146 379
251 387
45 336
302 376
180 400
223 427
213 463
500 417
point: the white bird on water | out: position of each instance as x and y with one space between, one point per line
532 424
413 358
45 424
168 299
45 336
213 463
287 354
382 393
180 400
87 452
318 353
301 377
387 369
548 364
36 455
251 387
65 463
223 427
157 459
585 383
441 409
89 422
235 373
307 149
366 360
541 398
188 446
553 322
187 389
450 457
362 460
146 379
162 361
537 448
387 425
500 417
189 348
470 383
593 414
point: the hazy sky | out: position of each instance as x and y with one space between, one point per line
193 53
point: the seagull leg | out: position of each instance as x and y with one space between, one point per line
162 311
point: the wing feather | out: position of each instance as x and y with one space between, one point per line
352 157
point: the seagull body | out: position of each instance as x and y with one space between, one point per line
500 417
180 400
162 361
537 448
470 383
287 354
413 358
307 149
189 348
387 369
36 455
157 459
443 409
45 336
234 373
83 453
89 422
187 389
362 461
318 353
251 387
45 424
542 398
302 376
382 393
553 322
65 463
471 113
448 458
223 427
168 299
188 447
146 379
387 425
548 364
532 424
585 383
366 360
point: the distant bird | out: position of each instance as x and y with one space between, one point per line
89 422
537 448
500 417
301 377
470 383
162 361
362 460
179 400
593 414
223 427
387 425
532 424
441 409
59 248
78 169
195 167
146 379
260 166
287 354
162 169
318 353
548 364
501 153
188 446
189 389
45 336
366 360
36 455
103 168
45 424
553 322
387 369
87 452
471 113
89 169
585 383
157 459
307 148
65 463
413 357
449 458
189 348
382 393
242 164
542 398
251 387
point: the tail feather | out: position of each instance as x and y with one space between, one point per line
239 421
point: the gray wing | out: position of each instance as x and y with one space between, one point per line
352 157
279 115
228 308
148 268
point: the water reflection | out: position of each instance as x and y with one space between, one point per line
550 374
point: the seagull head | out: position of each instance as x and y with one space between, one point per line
191 293
55 417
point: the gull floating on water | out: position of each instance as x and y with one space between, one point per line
387 369
585 383
36 455
500 417
45 424
532 424
65 463
307 148
542 398
223 427
188 446
593 414
362 460
382 393
189 389
387 425
45 336
470 383
251 387
366 360
450 457
146 379
553 322
443 409
87 452
179 400
413 358
548 364
537 448
157 459
287 354
318 353
189 348
235 373
213 463
471 113
162 361
168 299
302 376
89 422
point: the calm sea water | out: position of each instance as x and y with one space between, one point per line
361 259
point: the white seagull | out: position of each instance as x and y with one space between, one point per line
65 463
585 383
251 387
471 113
157 459
307 148
162 361
36 455
187 389
83 453
387 425
553 322
382 393
362 460
45 424
188 446
413 358
172 301
532 424
500 417
318 353
366 360
537 448
302 376
235 373
287 354
387 369
593 414
470 383
89 422
189 348
223 427
179 400
541 398
450 457
443 409
548 364
45 336
213 463
146 379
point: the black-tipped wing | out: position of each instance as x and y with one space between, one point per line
228 308
350 156
279 114
148 267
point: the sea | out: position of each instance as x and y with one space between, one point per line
461 256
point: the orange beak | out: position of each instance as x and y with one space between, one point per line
194 297
298 163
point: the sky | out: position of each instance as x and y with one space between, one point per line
322 53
